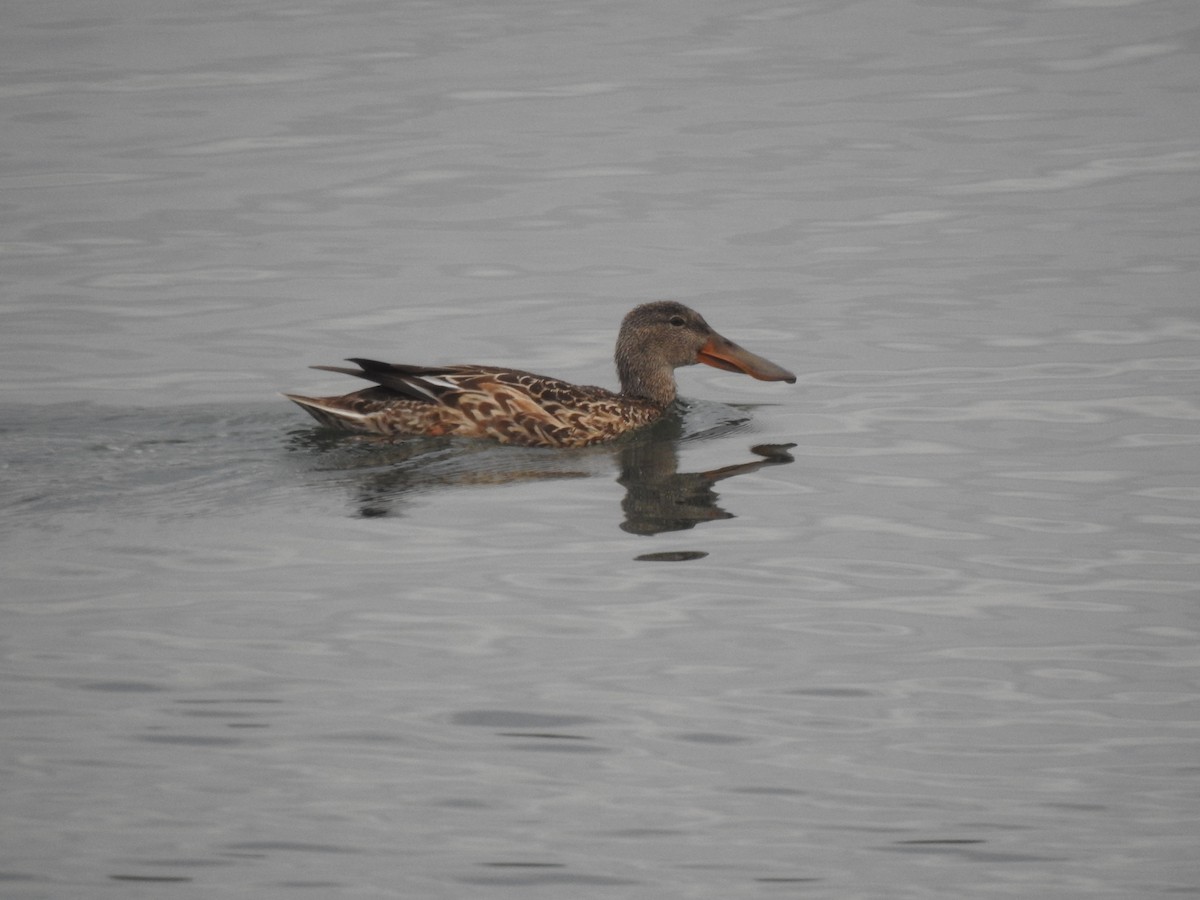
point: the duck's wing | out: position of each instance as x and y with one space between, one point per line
427 384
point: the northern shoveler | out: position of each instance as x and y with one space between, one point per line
515 407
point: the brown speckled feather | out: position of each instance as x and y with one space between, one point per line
507 405
515 407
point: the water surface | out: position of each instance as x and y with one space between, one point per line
922 625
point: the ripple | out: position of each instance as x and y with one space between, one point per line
897 481
1169 330
887 220
882 525
1047 526
32 248
1071 476
1080 412
598 172
1066 653
252 145
1114 56
852 629
895 448
1157 440
1034 372
485 271
168 80
1183 492
870 569
1086 174
160 280
1098 4
70 179
506 718
1085 565
557 92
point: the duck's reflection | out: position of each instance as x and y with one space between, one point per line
658 497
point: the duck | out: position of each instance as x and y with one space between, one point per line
520 408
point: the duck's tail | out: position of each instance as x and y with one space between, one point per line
329 413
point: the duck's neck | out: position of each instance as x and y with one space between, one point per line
653 384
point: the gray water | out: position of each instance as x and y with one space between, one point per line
923 625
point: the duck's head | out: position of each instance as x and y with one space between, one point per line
657 338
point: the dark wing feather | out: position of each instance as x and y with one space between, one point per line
408 381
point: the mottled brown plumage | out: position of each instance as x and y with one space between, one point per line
515 407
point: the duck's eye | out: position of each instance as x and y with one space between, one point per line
678 321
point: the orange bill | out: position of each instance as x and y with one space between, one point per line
722 353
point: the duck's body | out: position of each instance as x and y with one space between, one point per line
515 407
507 405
